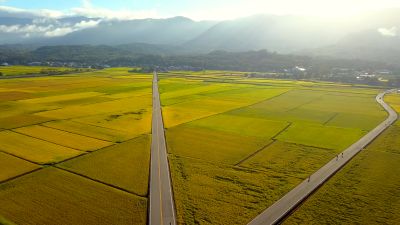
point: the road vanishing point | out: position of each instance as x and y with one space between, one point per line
161 210
277 212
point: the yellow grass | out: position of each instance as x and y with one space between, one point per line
34 149
52 196
11 166
63 138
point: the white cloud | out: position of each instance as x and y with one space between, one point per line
93 12
60 31
87 24
29 13
390 32
47 30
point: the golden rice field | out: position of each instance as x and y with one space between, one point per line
240 149
78 144
68 199
76 148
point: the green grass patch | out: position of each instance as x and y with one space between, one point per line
240 125
321 136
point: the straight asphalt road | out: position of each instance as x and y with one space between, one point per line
284 206
161 210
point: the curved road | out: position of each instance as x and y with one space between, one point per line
161 210
284 206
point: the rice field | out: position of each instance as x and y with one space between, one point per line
23 70
365 191
77 143
69 199
258 141
18 166
235 145
125 165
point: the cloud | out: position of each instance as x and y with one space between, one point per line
18 12
45 29
93 12
389 32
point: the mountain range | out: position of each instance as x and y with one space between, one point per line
373 36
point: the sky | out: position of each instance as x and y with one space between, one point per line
197 9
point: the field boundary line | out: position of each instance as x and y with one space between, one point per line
100 149
48 141
255 153
303 104
55 164
273 138
70 132
19 157
20 175
331 118
230 166
11 129
98 181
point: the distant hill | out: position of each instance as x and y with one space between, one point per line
172 31
372 37
367 45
